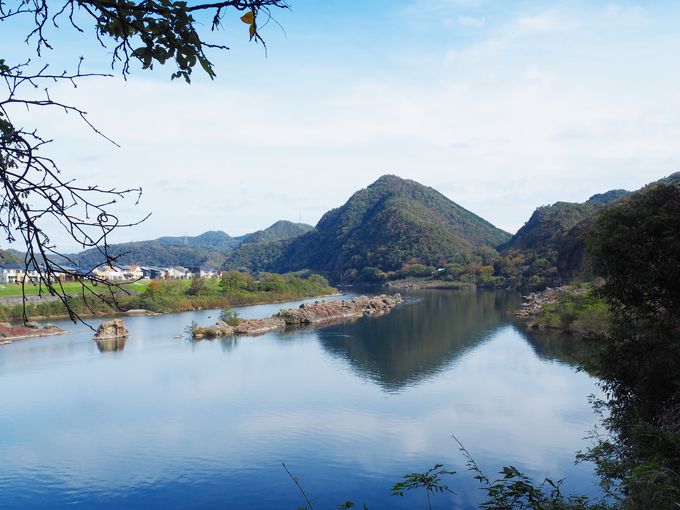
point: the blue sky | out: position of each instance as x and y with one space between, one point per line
502 106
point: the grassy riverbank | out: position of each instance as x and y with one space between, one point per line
573 309
14 289
162 296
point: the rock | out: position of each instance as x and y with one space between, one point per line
138 311
326 311
5 325
15 332
33 325
259 326
305 314
114 328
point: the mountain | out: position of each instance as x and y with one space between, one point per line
215 239
207 249
259 250
391 222
256 256
549 247
10 257
573 260
548 225
279 231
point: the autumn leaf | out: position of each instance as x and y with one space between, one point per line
253 29
248 18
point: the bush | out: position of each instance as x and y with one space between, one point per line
230 316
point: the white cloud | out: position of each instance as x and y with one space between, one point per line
471 21
501 124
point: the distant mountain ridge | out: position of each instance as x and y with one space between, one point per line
394 228
279 231
208 249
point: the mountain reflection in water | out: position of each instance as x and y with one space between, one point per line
420 338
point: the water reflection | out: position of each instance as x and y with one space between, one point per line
207 424
558 346
420 338
111 344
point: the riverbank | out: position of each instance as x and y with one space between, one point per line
571 309
319 312
428 283
179 296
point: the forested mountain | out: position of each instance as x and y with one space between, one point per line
549 223
548 247
10 257
573 261
256 256
205 250
279 231
390 223
216 239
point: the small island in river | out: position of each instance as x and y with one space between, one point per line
8 333
306 314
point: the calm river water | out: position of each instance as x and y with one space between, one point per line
350 408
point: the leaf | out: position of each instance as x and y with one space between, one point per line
252 31
248 18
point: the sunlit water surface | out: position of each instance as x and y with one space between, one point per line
166 423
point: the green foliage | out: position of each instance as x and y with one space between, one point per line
197 284
431 481
230 316
636 248
235 281
579 310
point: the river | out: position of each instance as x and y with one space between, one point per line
164 422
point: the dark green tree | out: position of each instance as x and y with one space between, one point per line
636 249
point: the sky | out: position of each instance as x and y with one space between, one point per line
502 106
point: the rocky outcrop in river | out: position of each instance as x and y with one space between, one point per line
29 330
114 328
535 302
308 313
326 311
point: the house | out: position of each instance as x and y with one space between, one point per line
109 273
178 272
133 272
154 273
16 273
208 273
10 272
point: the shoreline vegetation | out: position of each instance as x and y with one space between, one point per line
574 309
170 296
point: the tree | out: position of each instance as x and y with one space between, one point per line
636 248
35 198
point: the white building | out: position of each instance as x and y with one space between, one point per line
15 273
110 273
